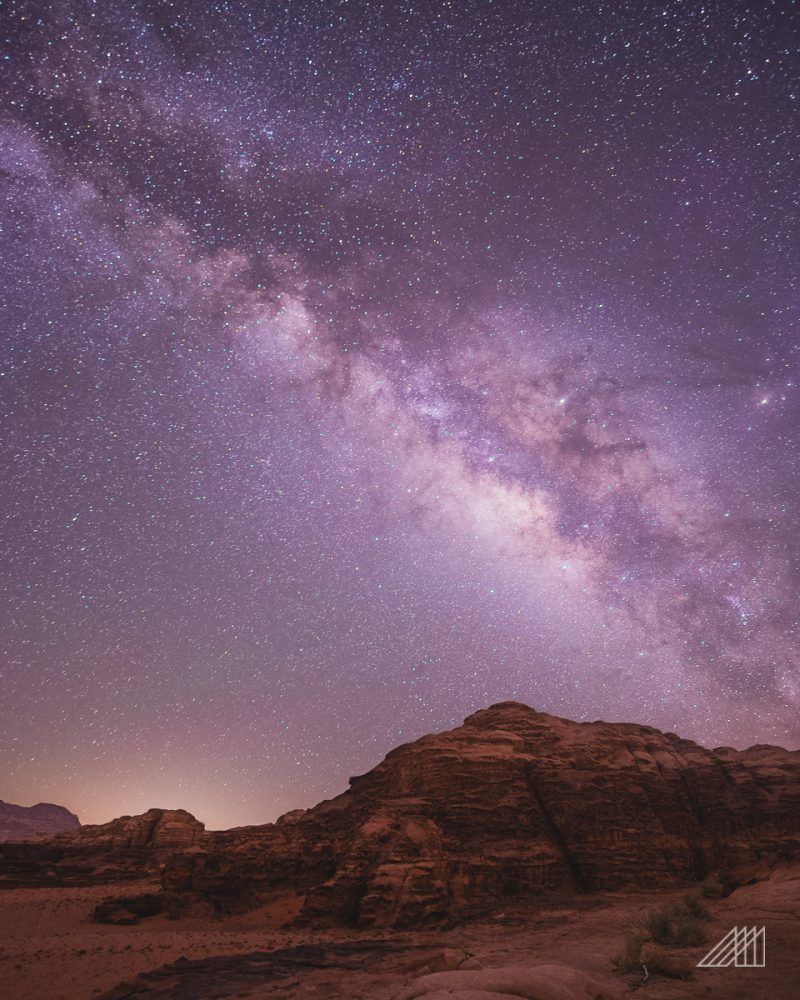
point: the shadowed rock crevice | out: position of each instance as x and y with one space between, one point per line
573 866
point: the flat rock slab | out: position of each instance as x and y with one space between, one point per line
540 982
470 995
231 975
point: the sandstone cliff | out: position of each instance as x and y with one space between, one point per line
125 849
157 829
509 806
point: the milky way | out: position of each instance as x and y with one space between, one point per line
365 364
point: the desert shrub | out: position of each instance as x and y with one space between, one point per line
640 954
695 905
655 958
629 959
679 925
649 943
712 887
656 925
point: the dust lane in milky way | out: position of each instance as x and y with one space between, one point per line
365 364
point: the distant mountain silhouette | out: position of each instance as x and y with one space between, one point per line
43 819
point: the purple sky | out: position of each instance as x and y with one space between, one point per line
364 364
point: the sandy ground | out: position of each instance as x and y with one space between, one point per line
49 946
50 949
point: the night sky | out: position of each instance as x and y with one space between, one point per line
364 364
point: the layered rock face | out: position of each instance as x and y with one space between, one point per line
124 849
43 819
157 829
512 804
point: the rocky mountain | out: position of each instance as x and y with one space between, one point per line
510 806
43 819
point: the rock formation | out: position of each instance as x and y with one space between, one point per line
127 848
507 808
157 829
43 819
511 805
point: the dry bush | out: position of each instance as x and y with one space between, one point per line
712 887
679 925
649 942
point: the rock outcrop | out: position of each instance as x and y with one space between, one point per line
157 829
511 805
125 849
44 819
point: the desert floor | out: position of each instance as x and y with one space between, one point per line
49 948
